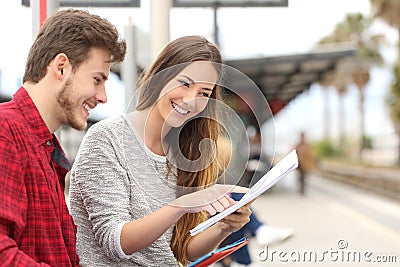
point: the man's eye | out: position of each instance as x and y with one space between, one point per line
184 83
97 80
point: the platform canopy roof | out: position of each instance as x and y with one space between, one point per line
282 78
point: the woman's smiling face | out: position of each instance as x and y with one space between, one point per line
187 94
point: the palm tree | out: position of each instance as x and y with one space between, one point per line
354 30
395 105
389 11
338 80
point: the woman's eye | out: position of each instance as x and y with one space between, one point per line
205 94
97 80
184 83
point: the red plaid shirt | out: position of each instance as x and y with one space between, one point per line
35 226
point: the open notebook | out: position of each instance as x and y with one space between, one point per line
280 170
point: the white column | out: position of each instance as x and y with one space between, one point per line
35 6
129 65
41 10
52 6
159 25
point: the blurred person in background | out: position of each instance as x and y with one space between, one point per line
66 70
306 158
257 166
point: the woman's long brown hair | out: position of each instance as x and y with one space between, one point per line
178 54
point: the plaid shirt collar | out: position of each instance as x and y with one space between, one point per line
32 115
39 128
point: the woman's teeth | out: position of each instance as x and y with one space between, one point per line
179 109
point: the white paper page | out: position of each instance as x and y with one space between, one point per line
280 170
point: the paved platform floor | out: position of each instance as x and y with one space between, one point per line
336 225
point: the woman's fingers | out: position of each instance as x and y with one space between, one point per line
212 200
210 209
217 206
238 219
240 189
225 201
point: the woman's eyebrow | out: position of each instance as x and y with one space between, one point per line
187 77
191 80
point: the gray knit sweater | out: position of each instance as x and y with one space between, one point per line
116 179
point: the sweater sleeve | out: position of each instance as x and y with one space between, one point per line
102 181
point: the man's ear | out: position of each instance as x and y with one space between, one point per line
59 65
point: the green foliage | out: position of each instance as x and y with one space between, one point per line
369 53
394 101
367 142
325 149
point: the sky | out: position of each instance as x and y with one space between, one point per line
244 33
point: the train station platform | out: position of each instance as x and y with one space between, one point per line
383 180
335 224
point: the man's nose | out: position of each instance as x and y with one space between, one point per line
101 95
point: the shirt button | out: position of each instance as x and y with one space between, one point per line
48 143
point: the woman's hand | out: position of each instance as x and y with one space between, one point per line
236 220
212 199
209 239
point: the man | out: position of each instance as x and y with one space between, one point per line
306 161
64 79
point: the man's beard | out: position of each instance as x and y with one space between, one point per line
64 99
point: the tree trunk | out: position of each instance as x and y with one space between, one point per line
362 124
342 138
327 115
360 79
398 144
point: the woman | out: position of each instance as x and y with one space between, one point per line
130 169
